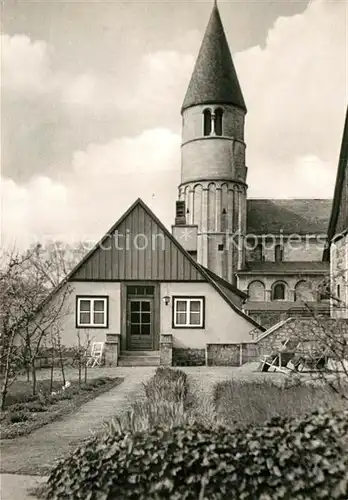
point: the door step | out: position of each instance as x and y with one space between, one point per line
140 353
139 358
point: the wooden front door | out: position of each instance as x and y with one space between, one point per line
140 323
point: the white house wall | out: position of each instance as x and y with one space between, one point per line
68 322
222 323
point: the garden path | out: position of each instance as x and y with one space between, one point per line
35 453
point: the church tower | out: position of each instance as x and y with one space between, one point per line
213 187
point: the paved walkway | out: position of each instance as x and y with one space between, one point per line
15 487
36 453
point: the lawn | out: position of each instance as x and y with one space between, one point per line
241 403
25 412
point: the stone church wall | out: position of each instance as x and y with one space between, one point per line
339 273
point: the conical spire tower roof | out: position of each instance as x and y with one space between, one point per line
214 79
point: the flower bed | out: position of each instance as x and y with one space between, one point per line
24 412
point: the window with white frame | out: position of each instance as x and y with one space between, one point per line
92 312
188 312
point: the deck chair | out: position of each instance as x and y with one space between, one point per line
96 356
273 363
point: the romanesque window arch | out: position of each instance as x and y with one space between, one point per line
303 291
207 119
256 291
218 121
278 291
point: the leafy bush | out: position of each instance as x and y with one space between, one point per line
18 416
32 406
283 460
168 384
66 395
242 403
53 399
86 387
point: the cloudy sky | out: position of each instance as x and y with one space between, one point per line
91 96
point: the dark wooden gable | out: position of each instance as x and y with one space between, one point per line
138 247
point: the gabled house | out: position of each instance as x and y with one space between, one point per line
138 289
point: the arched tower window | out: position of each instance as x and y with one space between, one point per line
256 291
207 122
278 253
218 121
303 291
278 291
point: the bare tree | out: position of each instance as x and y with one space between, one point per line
82 351
41 317
11 319
32 308
55 259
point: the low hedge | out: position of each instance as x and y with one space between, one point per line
167 384
283 460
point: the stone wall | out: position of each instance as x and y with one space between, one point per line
223 354
188 357
311 330
166 350
112 349
231 354
304 329
270 318
267 318
250 352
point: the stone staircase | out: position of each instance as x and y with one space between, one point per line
139 358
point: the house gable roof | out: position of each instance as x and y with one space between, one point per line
137 247
225 283
194 271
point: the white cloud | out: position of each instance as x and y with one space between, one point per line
104 180
157 87
24 64
151 151
296 89
307 177
80 90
